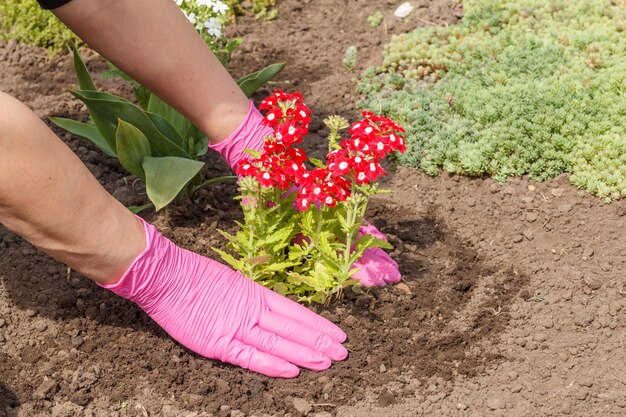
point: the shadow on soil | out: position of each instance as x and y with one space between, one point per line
433 327
8 399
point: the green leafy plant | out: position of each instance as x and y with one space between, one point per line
375 19
349 58
520 87
261 8
301 230
156 144
26 22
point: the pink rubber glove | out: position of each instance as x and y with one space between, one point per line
220 314
378 268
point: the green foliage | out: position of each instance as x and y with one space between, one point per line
376 19
519 87
260 8
349 58
26 22
250 83
306 254
155 143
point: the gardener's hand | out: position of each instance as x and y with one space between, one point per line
220 314
377 267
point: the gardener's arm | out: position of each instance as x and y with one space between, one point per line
153 42
48 197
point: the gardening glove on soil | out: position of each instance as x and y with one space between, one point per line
377 267
218 313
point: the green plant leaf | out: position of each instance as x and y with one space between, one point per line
82 73
158 106
85 130
166 128
252 153
139 209
108 108
370 241
252 82
166 177
132 148
198 141
317 163
279 266
229 259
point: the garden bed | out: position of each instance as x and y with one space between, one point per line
512 301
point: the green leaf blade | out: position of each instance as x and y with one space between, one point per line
82 73
106 109
252 82
166 177
132 147
85 130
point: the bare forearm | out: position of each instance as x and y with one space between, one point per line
48 197
153 42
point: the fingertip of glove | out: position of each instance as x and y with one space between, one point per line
339 335
339 353
287 370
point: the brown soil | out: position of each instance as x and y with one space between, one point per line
512 302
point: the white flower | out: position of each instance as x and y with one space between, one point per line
179 2
191 16
213 27
220 7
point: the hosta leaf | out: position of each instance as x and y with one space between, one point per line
82 73
166 128
252 82
198 141
158 106
139 209
167 176
132 147
108 108
85 130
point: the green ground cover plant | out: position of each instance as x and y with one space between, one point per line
519 87
25 22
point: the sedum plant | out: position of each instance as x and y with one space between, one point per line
300 234
519 87
152 141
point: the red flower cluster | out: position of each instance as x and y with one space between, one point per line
372 139
288 115
320 186
283 166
